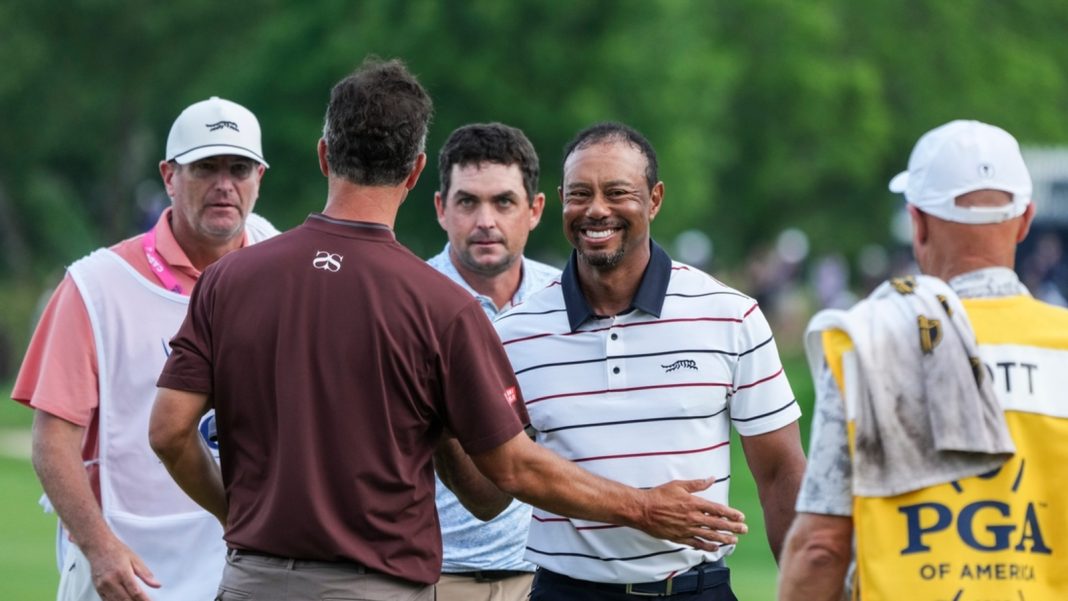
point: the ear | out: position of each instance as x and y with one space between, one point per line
322 150
167 170
536 209
1028 217
439 207
920 229
413 177
656 197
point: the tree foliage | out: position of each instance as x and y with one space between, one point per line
766 114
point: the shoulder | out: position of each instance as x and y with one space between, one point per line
258 228
440 261
542 307
690 289
539 273
1018 320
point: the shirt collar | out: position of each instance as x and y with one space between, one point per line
990 282
167 245
649 298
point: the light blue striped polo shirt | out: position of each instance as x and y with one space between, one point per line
499 544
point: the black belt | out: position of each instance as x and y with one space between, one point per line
699 578
294 563
488 575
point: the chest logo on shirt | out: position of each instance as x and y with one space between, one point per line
680 364
327 261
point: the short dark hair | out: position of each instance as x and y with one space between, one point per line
611 131
489 143
376 123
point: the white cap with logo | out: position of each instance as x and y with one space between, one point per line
961 157
214 127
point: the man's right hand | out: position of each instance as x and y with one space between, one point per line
57 459
672 512
116 570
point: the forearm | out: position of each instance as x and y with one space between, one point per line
670 511
778 502
477 494
174 435
565 489
58 463
816 558
778 466
778 498
194 469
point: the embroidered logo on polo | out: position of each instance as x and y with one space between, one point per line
222 125
327 261
680 364
510 395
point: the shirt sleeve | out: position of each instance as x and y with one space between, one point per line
827 486
762 400
189 365
59 373
479 388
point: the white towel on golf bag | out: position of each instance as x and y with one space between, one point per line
923 406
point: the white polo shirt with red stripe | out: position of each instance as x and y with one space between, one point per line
644 397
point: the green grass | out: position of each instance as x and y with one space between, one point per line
753 570
27 557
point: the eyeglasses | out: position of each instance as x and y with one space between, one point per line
239 169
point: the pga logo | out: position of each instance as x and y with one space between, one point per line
327 261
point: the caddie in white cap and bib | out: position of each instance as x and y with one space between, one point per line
90 373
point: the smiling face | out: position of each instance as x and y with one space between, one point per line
212 196
488 217
608 205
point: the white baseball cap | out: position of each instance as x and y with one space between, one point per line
213 127
961 157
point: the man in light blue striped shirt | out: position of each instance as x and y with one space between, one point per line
488 204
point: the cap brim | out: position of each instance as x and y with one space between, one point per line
215 150
900 182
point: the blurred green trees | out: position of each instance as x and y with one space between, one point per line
766 113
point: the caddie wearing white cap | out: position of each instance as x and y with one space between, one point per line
91 368
939 437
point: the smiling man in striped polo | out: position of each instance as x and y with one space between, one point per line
635 367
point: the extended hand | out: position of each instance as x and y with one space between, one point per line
673 513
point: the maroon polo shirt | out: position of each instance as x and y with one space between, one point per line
334 357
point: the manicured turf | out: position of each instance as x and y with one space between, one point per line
27 555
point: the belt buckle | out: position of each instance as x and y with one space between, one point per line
629 590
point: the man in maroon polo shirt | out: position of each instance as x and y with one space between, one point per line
337 363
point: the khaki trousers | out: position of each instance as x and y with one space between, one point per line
262 578
466 588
